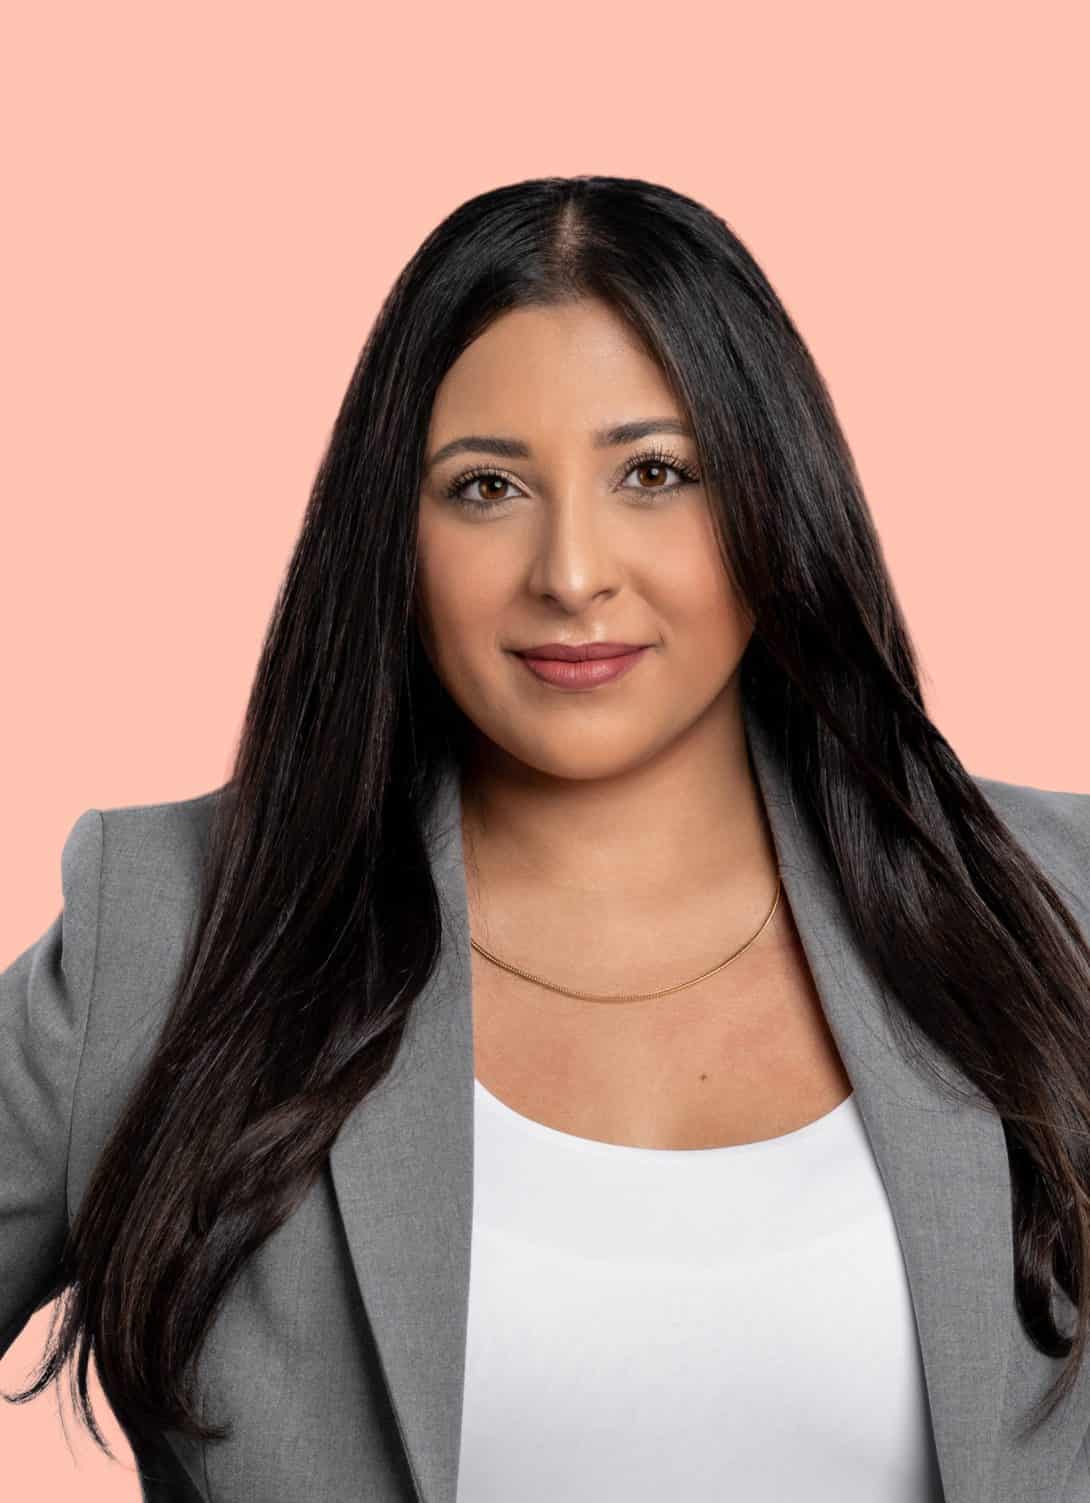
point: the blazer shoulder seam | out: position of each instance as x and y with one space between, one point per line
85 1028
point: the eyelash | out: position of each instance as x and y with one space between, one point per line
646 456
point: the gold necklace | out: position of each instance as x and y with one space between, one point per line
632 996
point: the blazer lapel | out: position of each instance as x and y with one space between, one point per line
402 1169
944 1166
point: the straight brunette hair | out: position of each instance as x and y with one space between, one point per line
318 922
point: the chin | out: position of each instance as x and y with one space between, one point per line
579 763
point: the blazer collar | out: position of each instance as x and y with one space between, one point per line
402 1171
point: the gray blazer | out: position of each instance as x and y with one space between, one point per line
339 1353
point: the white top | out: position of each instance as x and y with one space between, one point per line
697 1324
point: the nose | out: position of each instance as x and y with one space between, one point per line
573 561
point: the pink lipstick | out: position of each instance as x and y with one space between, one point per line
582 673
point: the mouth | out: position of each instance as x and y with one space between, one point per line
577 652
583 671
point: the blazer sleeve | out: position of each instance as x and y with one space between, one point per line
45 996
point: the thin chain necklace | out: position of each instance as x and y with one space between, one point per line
632 996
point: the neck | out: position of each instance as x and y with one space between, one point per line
689 823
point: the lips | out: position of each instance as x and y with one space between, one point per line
582 673
558 652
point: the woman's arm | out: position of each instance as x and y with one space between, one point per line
45 995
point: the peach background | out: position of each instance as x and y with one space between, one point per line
206 205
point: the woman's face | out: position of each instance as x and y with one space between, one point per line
565 538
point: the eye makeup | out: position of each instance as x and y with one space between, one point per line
664 458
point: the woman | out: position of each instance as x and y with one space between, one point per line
542 1074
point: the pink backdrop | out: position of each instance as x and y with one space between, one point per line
206 205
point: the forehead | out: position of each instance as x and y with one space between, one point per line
572 368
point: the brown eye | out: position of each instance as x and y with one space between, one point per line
657 472
489 481
497 484
656 464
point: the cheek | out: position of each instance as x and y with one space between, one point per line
690 585
461 601
703 617
466 601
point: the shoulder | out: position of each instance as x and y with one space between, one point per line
1045 814
1053 826
151 837
151 859
125 872
150 865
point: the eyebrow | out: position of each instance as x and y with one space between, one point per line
515 448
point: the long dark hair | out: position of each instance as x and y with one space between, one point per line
318 921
